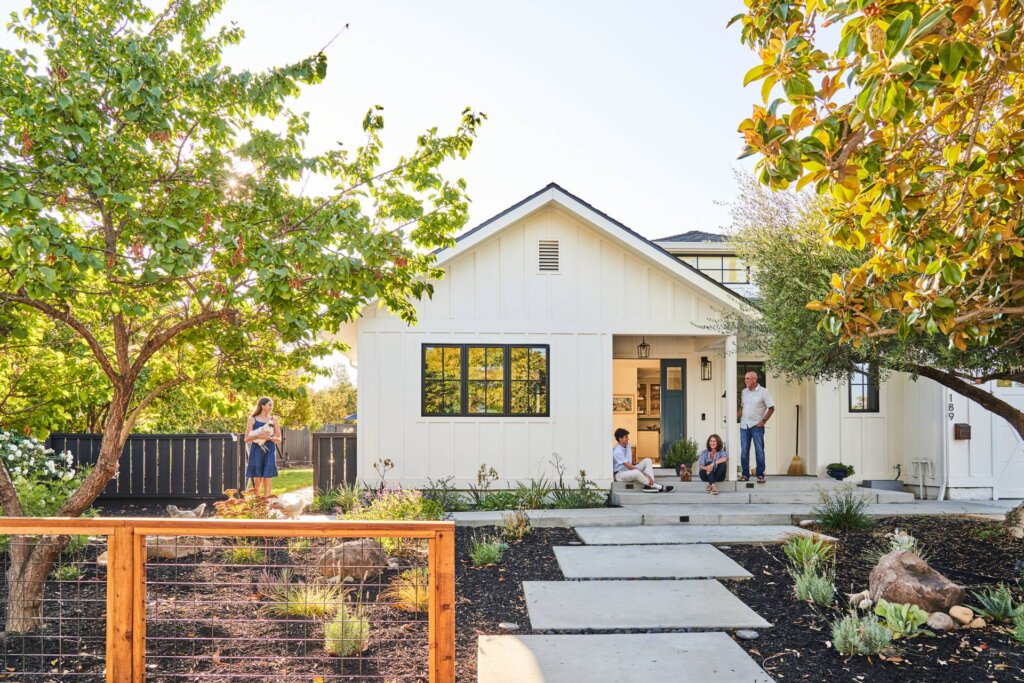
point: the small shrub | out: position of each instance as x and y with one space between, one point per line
305 600
500 500
246 504
682 452
853 635
445 494
989 532
348 633
808 552
485 550
396 504
997 604
534 495
410 590
515 526
67 572
244 553
271 585
813 587
585 495
299 545
342 498
841 510
895 542
904 620
1018 628
484 478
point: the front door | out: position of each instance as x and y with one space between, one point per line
673 401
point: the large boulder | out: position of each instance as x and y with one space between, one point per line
359 559
903 577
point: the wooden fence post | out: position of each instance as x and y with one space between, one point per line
441 570
139 614
120 596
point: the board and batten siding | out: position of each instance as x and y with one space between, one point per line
495 293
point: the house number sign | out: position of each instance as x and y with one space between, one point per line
951 408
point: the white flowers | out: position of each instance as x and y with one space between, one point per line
26 458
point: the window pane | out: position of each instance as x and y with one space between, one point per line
441 397
442 362
529 362
486 397
529 398
486 362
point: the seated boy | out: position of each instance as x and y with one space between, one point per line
625 470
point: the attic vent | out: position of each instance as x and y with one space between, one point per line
547 256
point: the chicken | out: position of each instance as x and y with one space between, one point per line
289 507
194 513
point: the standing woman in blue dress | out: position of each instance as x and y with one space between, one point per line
263 433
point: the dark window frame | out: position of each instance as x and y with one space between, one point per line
464 380
869 386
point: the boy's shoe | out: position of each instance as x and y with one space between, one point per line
666 489
651 489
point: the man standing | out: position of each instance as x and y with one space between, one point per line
757 408
625 470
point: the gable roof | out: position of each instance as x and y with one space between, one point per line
555 194
694 236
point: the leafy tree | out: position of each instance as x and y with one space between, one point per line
912 126
780 234
152 201
330 405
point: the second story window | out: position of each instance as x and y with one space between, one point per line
726 269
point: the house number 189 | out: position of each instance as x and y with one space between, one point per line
951 409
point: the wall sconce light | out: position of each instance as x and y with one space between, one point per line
643 349
705 367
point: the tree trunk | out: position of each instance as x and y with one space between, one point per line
31 559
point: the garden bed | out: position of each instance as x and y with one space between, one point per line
976 554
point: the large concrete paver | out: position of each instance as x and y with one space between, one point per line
572 518
712 533
647 562
603 605
616 658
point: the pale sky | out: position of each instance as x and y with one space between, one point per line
633 106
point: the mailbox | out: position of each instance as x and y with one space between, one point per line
961 431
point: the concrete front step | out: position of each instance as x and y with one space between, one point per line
616 658
685 534
639 604
765 496
804 484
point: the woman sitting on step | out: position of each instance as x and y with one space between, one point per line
712 464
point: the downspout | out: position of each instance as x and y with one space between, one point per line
945 449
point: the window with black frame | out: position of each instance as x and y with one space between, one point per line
864 387
462 380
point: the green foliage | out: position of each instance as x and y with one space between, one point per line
534 495
409 591
299 545
515 526
904 620
445 494
486 550
342 498
66 572
330 405
396 505
1018 628
300 600
244 552
841 510
348 633
813 587
996 604
585 495
484 478
682 452
853 635
246 504
500 500
808 553
840 466
43 479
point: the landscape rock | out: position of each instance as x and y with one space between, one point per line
903 577
1017 532
358 559
977 622
963 615
744 634
808 522
508 626
174 547
940 621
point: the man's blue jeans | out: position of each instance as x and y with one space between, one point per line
755 434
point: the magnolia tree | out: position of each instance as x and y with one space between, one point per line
152 203
911 126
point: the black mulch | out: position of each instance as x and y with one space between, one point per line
974 553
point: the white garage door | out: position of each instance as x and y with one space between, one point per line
1009 450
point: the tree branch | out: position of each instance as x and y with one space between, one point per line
72 322
145 402
156 341
8 494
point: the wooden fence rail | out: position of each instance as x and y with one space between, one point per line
164 466
334 459
126 575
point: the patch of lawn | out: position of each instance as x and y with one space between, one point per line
292 480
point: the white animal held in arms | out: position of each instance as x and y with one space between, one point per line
194 513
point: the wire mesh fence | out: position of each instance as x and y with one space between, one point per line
240 600
54 617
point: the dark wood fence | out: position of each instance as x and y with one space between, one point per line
164 466
296 447
334 459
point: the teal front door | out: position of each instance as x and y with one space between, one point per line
673 402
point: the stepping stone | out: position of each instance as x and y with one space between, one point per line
647 562
606 605
616 658
712 533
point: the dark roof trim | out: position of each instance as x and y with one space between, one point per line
602 214
694 236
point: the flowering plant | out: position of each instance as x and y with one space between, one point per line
43 478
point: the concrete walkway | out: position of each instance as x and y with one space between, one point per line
721 534
697 561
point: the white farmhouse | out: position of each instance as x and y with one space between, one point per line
556 324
